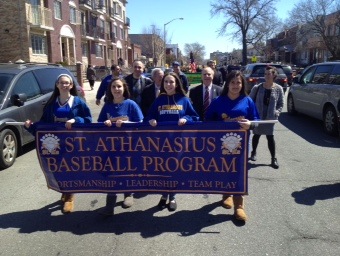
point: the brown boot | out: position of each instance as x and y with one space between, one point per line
227 201
239 212
68 203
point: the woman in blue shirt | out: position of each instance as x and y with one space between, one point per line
234 105
171 105
118 108
64 106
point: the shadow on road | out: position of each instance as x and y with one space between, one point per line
309 129
308 196
186 222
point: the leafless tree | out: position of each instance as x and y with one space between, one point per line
152 43
319 18
197 50
242 18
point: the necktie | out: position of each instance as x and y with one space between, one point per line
206 101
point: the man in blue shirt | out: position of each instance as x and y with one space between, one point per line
177 69
116 73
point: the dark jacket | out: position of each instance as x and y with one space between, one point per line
196 96
218 78
144 82
148 97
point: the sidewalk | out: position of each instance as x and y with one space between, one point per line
90 96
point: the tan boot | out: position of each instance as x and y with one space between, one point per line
239 212
227 201
69 203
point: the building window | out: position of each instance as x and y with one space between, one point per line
38 44
99 51
84 49
115 30
73 15
57 9
121 33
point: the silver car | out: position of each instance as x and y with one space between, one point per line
316 93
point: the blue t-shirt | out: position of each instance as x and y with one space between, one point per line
128 108
223 108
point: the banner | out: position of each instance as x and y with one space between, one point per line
194 158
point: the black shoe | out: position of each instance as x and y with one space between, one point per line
162 203
253 156
274 163
172 206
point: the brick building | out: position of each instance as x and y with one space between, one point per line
60 31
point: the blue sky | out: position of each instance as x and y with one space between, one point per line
197 25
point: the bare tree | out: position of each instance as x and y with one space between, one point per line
197 50
241 17
320 18
152 43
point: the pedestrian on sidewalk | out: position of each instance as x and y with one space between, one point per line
91 75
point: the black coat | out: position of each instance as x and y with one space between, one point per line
148 97
196 96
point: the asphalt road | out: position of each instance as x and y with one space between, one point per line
294 210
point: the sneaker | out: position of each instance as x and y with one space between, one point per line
128 201
162 203
172 205
274 163
253 156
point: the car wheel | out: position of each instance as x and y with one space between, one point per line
290 105
330 123
9 148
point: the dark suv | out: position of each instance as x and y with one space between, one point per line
254 74
316 93
24 90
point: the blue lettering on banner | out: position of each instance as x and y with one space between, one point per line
195 158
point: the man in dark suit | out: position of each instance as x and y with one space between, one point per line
218 78
202 95
150 92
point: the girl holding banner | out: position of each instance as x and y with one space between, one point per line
64 106
117 109
234 105
171 105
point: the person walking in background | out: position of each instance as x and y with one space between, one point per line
177 69
64 106
171 105
91 75
151 92
269 98
202 95
117 109
137 82
218 79
115 73
234 105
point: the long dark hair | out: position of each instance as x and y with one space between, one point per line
56 92
109 95
179 87
233 74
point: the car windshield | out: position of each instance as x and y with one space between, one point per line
5 80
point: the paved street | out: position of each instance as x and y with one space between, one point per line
294 210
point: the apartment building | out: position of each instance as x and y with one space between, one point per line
60 31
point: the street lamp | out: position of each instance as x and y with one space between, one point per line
165 37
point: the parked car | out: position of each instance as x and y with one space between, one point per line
24 90
289 73
254 74
316 93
